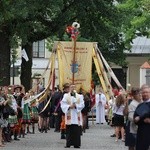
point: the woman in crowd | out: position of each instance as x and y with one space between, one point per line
34 111
34 115
119 116
26 114
44 114
127 125
12 119
136 100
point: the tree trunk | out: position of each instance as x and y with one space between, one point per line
26 68
4 59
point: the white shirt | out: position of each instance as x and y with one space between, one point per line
119 110
132 107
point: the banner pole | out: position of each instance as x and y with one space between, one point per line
73 31
74 60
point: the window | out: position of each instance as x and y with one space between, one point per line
147 76
39 49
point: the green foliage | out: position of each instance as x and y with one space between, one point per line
101 21
136 15
112 24
50 42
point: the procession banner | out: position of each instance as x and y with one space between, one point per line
82 67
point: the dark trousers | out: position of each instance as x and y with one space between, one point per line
143 137
73 135
52 121
57 122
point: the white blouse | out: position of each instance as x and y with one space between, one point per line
119 110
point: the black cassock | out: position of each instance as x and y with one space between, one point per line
143 133
73 135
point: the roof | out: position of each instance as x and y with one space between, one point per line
146 65
140 45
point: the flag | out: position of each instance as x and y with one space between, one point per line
24 55
82 68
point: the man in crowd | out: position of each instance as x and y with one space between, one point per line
142 119
63 126
56 110
72 104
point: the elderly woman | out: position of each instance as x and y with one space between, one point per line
131 138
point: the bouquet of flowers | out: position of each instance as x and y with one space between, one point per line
73 30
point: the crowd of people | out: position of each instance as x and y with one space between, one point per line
67 111
129 115
18 115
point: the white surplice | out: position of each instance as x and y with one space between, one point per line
72 116
100 108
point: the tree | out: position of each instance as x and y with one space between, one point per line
20 19
136 22
10 11
33 20
4 59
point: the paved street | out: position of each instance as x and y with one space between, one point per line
97 137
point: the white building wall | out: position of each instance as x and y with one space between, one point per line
134 64
38 67
142 77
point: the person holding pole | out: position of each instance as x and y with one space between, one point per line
72 104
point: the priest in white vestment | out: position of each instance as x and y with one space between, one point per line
100 107
72 104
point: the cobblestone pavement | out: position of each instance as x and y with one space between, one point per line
97 137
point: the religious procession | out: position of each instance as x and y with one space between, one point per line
67 108
68 113
85 87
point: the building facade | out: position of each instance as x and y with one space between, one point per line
140 53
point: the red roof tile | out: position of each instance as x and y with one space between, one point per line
146 65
